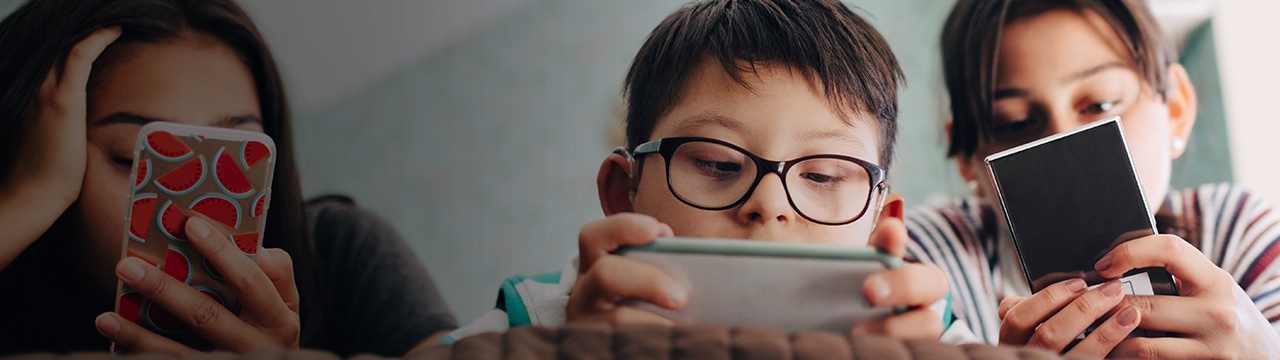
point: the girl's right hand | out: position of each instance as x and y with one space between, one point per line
49 166
604 279
52 154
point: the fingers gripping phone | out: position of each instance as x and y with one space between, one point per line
1071 198
183 171
788 287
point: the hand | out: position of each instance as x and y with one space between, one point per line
605 279
1053 317
916 286
1212 314
52 150
267 293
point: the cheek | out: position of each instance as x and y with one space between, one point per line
1146 130
103 199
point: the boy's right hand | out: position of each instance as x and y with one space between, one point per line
605 279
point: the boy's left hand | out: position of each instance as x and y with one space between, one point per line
916 286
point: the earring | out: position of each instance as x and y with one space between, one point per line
1178 144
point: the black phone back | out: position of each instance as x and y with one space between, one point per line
1069 199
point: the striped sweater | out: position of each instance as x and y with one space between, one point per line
1236 230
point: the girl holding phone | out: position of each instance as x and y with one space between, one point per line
1021 70
80 79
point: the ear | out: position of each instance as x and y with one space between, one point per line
894 206
1181 101
615 185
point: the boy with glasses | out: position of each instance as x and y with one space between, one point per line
769 120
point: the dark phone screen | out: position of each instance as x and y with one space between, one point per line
1069 200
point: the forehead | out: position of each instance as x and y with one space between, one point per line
777 105
191 78
1055 43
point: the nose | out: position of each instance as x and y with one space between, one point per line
768 203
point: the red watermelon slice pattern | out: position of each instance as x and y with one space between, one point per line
172 222
229 176
184 179
219 208
211 270
177 264
140 216
212 294
161 320
247 243
252 152
259 205
130 305
144 174
167 146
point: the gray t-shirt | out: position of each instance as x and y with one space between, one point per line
380 299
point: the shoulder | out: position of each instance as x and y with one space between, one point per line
337 222
1219 206
963 221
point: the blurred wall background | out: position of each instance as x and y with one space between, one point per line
476 127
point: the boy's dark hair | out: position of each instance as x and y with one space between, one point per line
822 39
971 40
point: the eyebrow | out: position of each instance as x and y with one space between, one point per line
710 119
131 118
713 119
1020 93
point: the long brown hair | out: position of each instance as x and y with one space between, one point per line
971 40
36 37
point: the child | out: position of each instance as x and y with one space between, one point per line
80 77
717 87
1021 70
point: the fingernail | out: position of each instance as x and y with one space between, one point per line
130 270
198 227
1103 264
108 324
859 331
1076 285
1128 316
677 295
879 289
1111 288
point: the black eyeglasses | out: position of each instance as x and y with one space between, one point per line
710 174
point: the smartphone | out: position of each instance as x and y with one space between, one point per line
783 286
182 171
1071 198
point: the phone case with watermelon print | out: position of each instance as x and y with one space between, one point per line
181 171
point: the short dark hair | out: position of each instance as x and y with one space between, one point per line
971 40
822 39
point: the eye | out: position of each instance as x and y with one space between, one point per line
124 162
719 168
1012 127
1099 107
821 178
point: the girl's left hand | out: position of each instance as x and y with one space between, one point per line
269 298
1213 316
